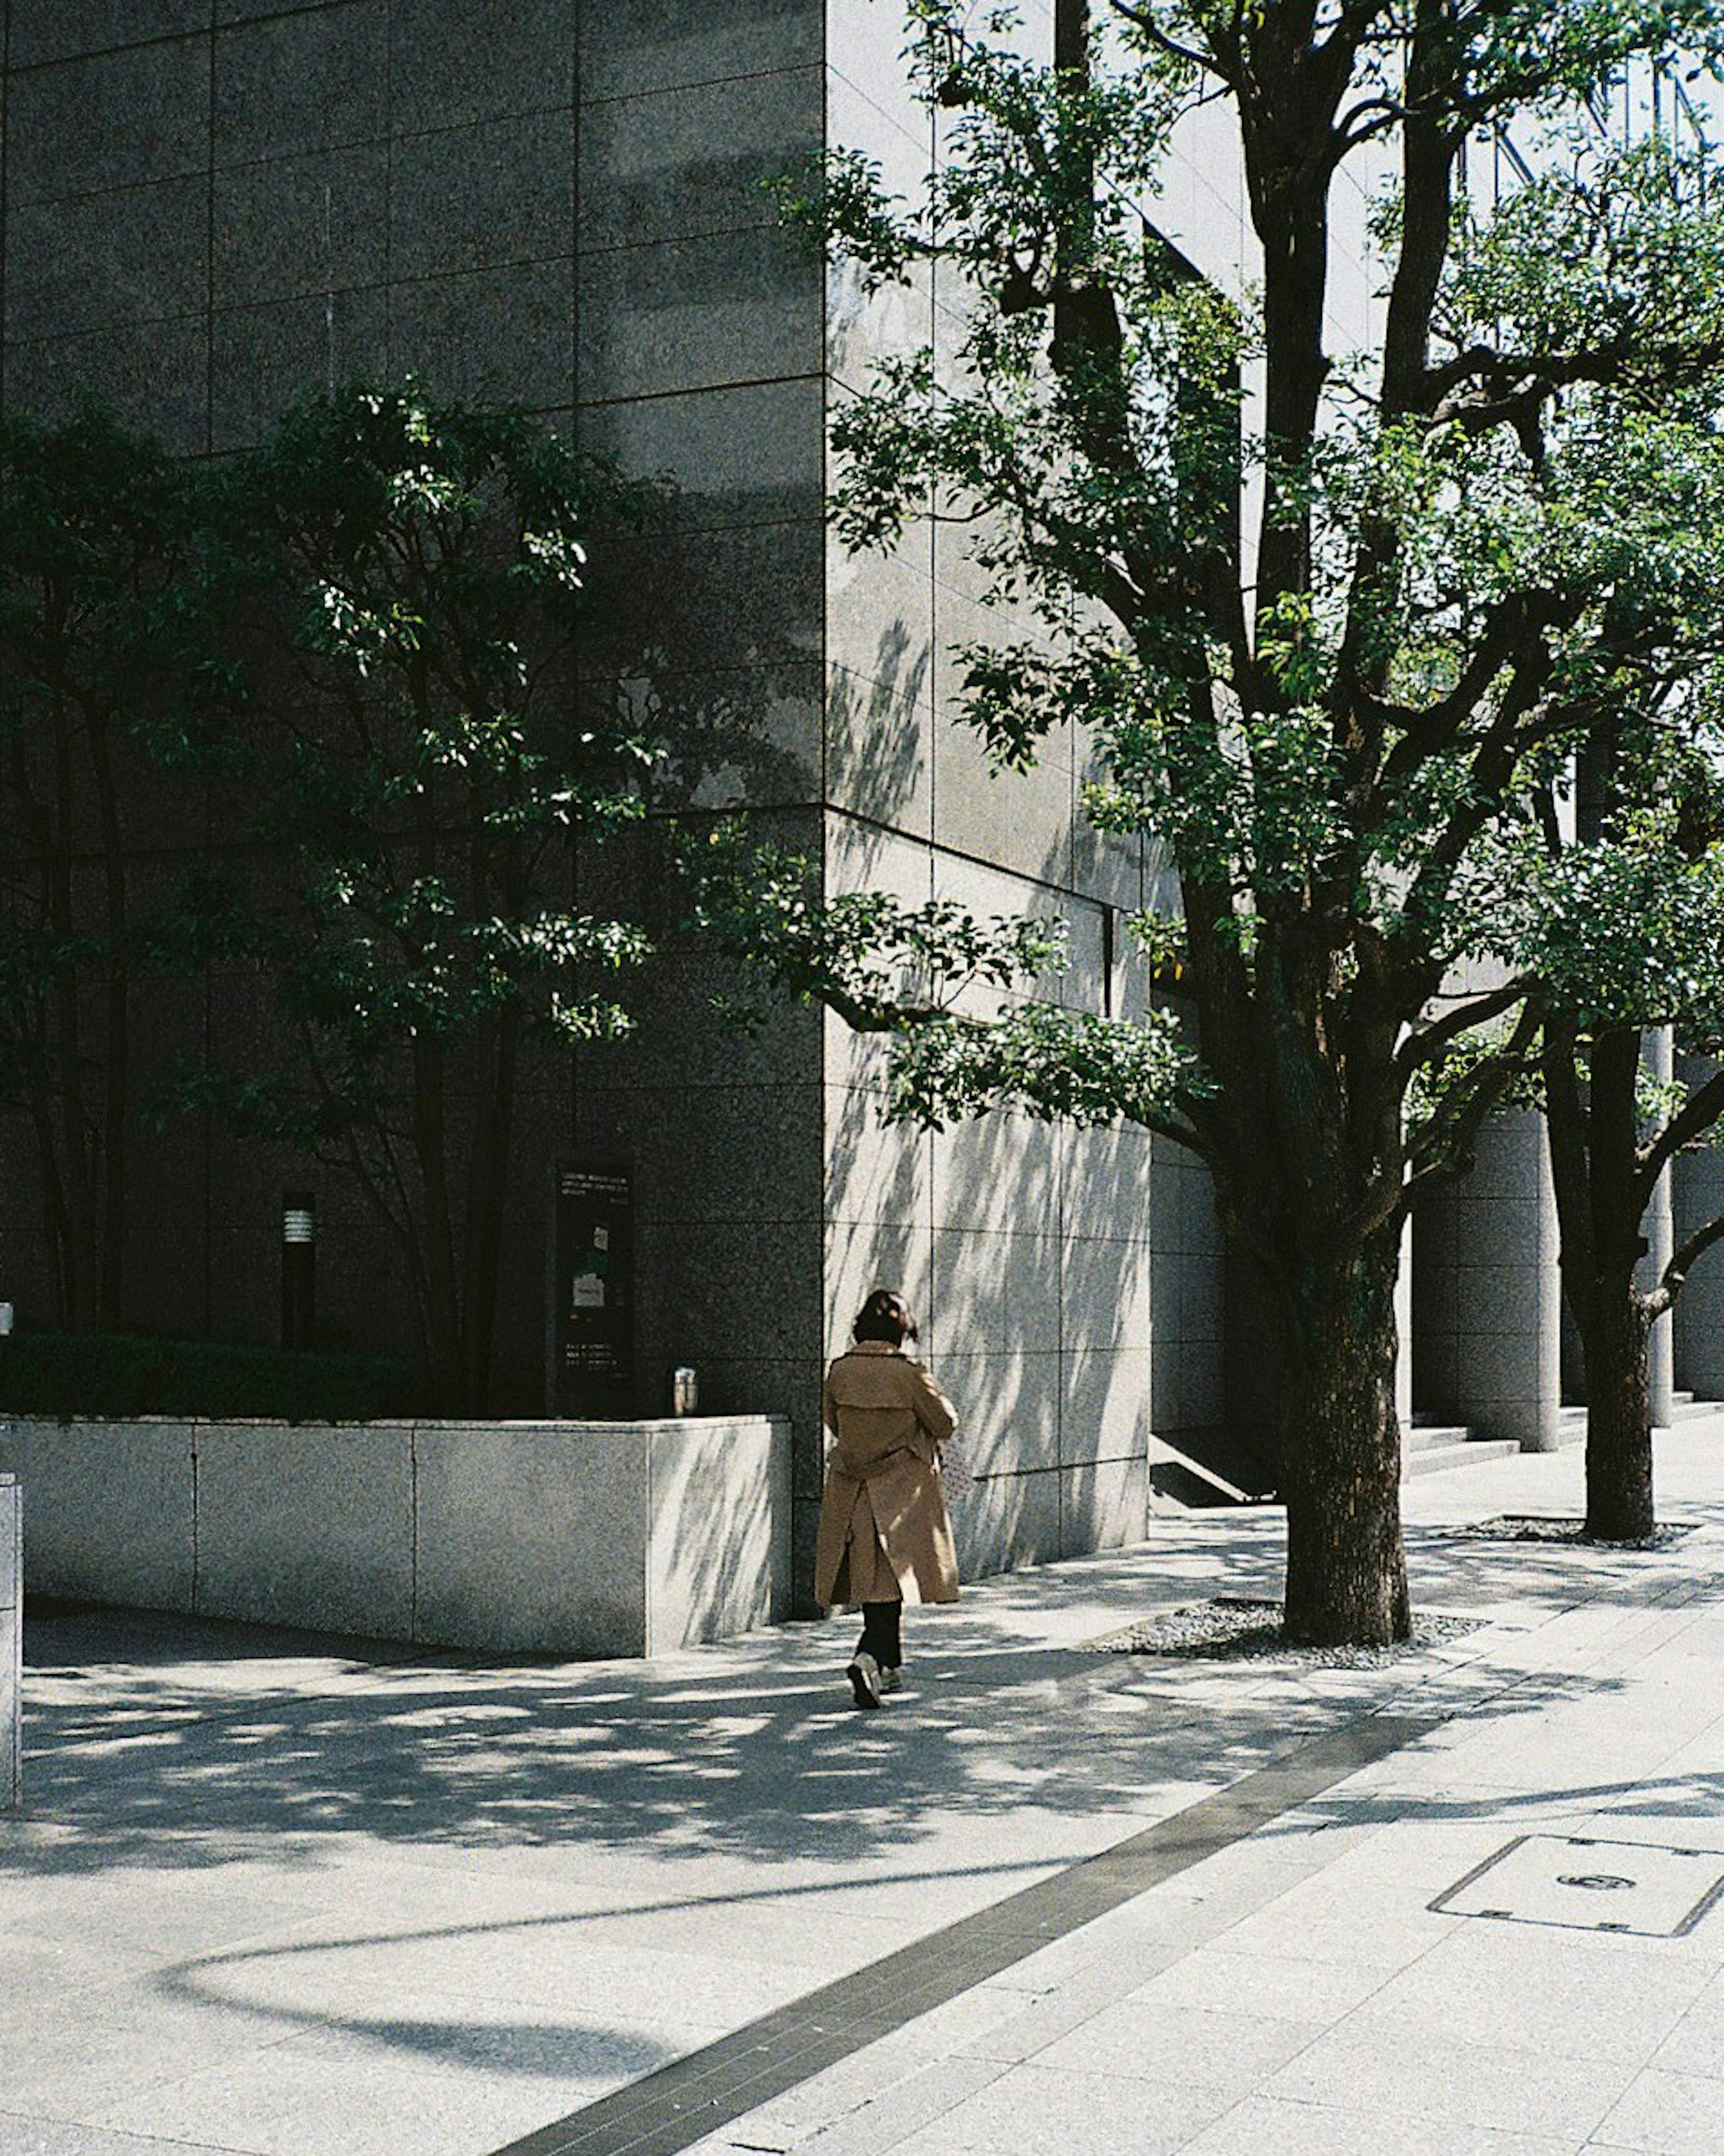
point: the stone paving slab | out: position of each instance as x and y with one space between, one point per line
293 1895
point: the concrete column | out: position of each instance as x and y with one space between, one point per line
1697 1197
1403 1328
1489 1294
1658 1231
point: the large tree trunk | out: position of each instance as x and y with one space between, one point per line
1341 1450
1619 1423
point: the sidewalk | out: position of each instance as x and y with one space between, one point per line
296 1897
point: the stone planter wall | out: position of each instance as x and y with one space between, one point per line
561 1537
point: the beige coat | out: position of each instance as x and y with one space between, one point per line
883 1534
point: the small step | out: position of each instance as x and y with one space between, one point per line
1469 1452
1424 1435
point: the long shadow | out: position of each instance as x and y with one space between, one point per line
186 1749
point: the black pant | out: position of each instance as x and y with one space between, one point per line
879 1633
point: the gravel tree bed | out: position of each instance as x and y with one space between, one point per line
1539 1528
1232 1627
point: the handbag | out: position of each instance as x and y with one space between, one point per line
956 1475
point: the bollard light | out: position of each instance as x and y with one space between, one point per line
299 1263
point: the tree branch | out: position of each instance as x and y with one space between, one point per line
1697 1115
1675 1276
1430 1042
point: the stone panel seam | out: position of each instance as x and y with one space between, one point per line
705 389
709 82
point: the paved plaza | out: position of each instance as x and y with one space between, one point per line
303 1897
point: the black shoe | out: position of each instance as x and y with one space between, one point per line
864 1673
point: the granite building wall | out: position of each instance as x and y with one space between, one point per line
213 205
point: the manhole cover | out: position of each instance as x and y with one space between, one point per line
1591 1886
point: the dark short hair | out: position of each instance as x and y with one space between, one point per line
885 1317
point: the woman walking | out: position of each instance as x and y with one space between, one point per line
884 1536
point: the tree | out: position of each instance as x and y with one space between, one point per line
1619 912
415 770
1610 901
1324 719
104 660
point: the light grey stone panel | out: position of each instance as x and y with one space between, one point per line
1006 1521
1019 819
532 1536
733 306
1083 984
630 46
1105 866
298 225
880 614
685 161
860 857
749 456
1103 1505
474 197
1507 1291
11 1638
153 375
113 120
1104 1405
131 255
997 1171
998 1290
718 1546
877 730
871 108
302 82
505 334
1106 1183
1105 1295
304 1524
264 359
865 328
64 29
110 1507
876 1172
456 60
862 1256
1191 1384
1008 1404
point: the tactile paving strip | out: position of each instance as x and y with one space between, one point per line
667 2111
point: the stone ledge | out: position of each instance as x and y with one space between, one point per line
556 1538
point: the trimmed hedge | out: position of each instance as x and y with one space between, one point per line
116 1377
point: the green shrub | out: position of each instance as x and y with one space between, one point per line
118 1377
